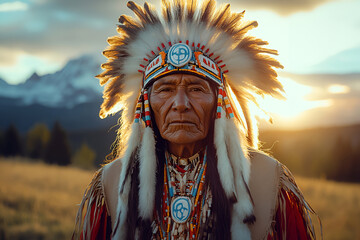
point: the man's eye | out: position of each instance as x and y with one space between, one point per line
196 89
165 89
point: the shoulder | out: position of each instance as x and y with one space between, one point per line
110 181
273 189
111 173
260 161
264 174
264 187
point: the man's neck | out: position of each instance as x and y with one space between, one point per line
185 150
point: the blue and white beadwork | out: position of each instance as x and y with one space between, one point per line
180 209
179 54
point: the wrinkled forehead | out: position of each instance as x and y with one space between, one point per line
186 80
183 79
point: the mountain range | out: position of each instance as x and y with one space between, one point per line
72 85
71 96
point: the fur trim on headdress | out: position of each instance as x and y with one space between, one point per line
147 174
224 167
234 171
243 208
124 183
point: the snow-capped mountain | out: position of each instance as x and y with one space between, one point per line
72 85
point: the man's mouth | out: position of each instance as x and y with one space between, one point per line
181 122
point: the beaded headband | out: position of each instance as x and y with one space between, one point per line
181 58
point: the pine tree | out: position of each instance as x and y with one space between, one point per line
58 149
36 140
12 142
84 157
1 143
342 155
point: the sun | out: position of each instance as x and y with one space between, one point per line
295 104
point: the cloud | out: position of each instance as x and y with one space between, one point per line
322 85
55 30
8 56
343 62
279 6
13 6
63 29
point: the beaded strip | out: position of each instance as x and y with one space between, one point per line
138 109
147 109
167 228
223 100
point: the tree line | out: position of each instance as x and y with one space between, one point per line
333 154
40 143
329 153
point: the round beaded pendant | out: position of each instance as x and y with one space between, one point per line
180 209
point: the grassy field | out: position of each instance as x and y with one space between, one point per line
38 201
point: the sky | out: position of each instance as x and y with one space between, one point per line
313 37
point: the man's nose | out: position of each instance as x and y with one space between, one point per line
181 101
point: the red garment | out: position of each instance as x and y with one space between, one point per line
294 224
101 225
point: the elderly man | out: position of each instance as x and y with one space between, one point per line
185 162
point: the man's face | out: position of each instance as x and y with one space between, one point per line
183 107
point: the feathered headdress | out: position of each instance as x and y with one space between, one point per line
219 50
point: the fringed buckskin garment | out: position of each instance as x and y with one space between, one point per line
280 209
192 67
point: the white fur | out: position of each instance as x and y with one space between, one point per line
223 164
121 210
147 174
133 143
237 153
239 230
241 168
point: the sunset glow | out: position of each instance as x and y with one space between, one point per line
295 103
338 89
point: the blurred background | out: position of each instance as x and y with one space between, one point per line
52 140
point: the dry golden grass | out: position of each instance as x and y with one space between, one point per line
38 201
337 204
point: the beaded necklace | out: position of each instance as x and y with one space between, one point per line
186 203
